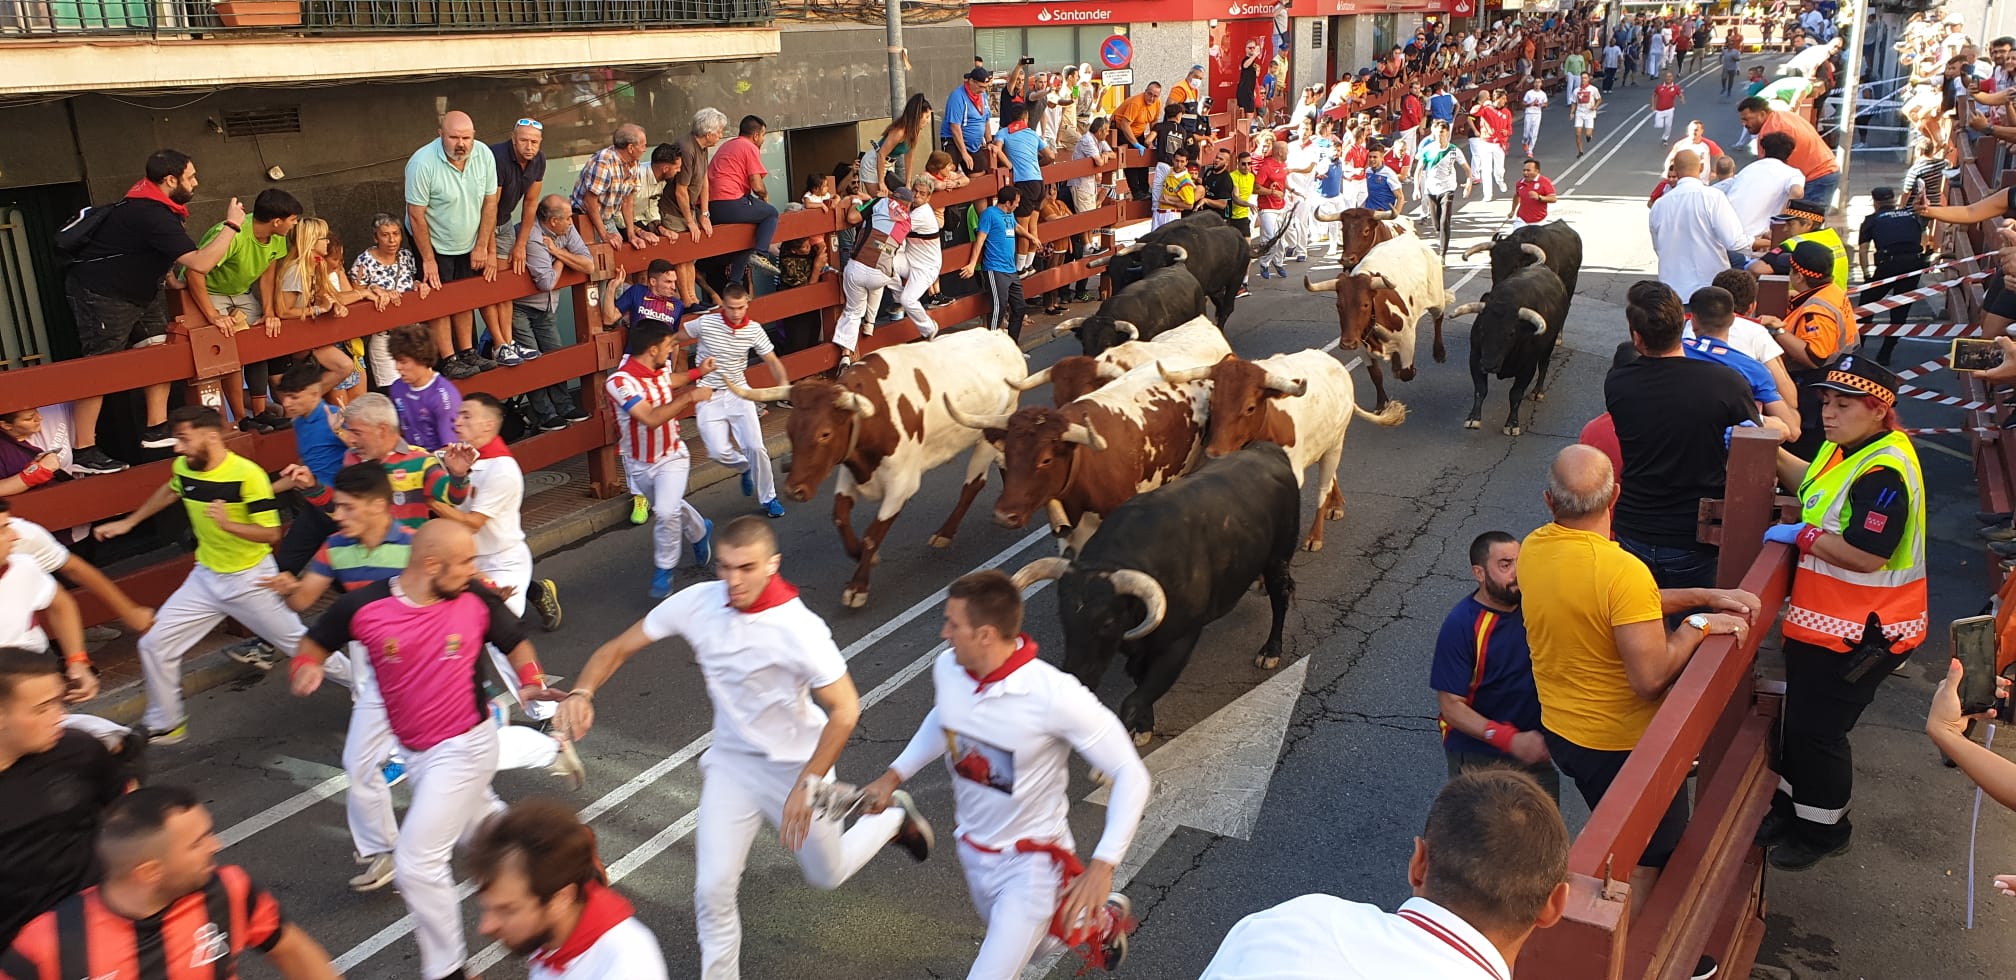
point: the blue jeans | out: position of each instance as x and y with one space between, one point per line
1822 188
533 327
1675 568
746 210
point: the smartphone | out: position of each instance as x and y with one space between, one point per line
1028 61
1974 354
1973 640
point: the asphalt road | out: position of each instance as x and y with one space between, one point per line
1355 771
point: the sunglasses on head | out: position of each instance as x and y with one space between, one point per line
534 123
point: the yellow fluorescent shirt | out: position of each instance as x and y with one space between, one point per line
1575 588
248 499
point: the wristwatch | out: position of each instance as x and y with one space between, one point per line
1698 621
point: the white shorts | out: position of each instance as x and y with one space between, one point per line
1585 119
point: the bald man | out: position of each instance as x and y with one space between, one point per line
422 633
451 210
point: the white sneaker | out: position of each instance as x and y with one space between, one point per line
567 765
377 874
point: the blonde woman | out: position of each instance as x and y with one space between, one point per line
313 285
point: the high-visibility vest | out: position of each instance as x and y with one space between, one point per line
1830 238
1830 605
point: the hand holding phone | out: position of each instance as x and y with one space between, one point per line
1970 354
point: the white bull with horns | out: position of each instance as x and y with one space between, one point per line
1380 300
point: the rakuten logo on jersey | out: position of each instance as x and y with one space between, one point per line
1097 15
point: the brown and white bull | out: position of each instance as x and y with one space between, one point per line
1302 401
1358 229
1380 300
1080 461
885 423
1194 343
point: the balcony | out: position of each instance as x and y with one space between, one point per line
55 46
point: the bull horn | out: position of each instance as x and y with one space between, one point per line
1129 250
1041 570
776 393
1177 252
1321 215
1468 253
1380 282
852 401
1466 310
1185 375
1106 371
1141 586
1326 286
1539 254
1382 215
1100 262
1084 435
1291 387
1538 322
974 421
1068 326
1030 383
1128 328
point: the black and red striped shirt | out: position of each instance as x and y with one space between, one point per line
197 937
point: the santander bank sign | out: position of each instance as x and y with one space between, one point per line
1066 15
1066 12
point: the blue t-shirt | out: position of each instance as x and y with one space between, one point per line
1482 657
1378 190
1442 107
999 227
315 439
637 301
1763 386
964 117
1022 146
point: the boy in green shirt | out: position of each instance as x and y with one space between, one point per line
242 282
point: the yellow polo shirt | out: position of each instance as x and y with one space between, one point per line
1575 587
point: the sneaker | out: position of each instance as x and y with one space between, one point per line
703 549
640 509
567 765
545 600
1119 920
526 353
1801 849
507 355
1777 823
254 652
157 437
457 367
375 875
700 306
915 836
552 423
171 736
773 508
93 460
394 772
480 362
1992 517
1264 274
577 414
1999 533
2006 549
762 260
1243 293
1705 968
661 583
748 483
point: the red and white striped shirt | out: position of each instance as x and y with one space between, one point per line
632 384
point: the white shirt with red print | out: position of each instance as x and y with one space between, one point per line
632 384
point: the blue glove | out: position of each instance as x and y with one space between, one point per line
1783 533
1138 148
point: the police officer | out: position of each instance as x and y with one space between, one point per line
1858 602
1805 221
1898 237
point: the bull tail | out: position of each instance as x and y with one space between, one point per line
1393 414
1255 251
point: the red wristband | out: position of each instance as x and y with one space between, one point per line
529 675
695 374
1807 535
1499 736
79 657
300 660
34 475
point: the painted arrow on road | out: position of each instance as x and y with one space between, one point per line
1212 777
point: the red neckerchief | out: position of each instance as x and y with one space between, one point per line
1025 651
1017 126
979 98
143 190
494 449
601 911
775 593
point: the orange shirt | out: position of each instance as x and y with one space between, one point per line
199 936
1824 320
1810 155
1141 114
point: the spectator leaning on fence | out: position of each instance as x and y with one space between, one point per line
736 195
244 282
451 207
521 177
115 287
552 243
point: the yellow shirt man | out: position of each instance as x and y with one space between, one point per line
1576 587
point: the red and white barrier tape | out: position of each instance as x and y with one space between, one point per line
1920 331
1950 430
1937 397
1930 268
1913 373
1922 292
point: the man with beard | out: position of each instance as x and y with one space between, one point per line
545 895
1483 672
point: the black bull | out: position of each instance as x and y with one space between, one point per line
1518 323
1168 563
1214 251
1167 298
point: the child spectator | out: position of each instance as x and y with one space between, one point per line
426 401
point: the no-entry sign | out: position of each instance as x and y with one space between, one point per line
1116 51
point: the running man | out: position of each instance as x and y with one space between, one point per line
1587 101
491 512
1665 96
545 895
1531 197
1535 101
237 522
648 404
1004 717
727 337
415 630
784 707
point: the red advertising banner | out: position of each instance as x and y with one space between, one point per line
1066 13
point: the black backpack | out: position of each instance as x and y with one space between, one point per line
75 239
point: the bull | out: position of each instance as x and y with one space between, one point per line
1518 323
1358 229
884 422
1301 402
1380 300
1554 245
1167 298
1194 343
1169 563
1214 252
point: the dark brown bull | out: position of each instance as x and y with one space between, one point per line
1358 229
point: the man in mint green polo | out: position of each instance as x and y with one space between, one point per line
451 209
243 282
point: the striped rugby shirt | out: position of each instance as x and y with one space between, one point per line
418 479
631 384
728 346
351 563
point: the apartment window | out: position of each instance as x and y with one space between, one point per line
1054 48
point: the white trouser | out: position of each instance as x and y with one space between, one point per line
663 485
378 354
1016 894
1270 225
726 413
1532 138
1574 86
920 268
863 286
512 569
1663 118
1482 162
1162 218
451 799
1352 194
203 600
739 794
1296 242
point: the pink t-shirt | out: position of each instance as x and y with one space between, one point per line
735 164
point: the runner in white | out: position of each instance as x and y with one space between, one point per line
727 337
869 271
51 556
1535 101
30 597
920 261
1587 101
648 402
544 895
784 707
1006 723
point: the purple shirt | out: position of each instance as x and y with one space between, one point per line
427 415
426 658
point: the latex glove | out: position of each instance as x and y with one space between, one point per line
1800 536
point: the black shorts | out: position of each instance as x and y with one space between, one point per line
1032 197
1999 299
107 324
454 267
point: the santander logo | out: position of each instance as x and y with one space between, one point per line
1093 15
1245 9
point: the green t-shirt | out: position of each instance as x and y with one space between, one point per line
1785 89
244 262
1574 64
248 499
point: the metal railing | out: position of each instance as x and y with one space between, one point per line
181 18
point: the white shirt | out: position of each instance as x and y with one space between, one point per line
1760 190
25 589
1613 56
1688 144
1439 177
728 346
1693 230
1322 937
1088 148
1299 156
1749 337
628 951
921 249
35 541
1535 101
760 668
497 491
1008 746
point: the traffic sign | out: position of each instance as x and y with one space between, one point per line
1117 76
1116 51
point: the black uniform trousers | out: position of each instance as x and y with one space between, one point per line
1894 265
1816 765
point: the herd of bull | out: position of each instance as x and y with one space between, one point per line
1158 395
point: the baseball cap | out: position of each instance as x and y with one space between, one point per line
1883 194
980 75
1858 375
903 194
1802 208
1813 259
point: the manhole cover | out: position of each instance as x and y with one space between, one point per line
540 481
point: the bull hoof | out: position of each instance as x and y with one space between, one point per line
1266 662
940 541
1260 586
1141 739
1511 430
1334 514
1441 355
853 599
1473 423
875 559
1539 396
1312 545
